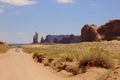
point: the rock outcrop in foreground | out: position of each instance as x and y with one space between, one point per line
108 31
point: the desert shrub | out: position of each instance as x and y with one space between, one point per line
74 68
96 57
66 57
39 58
46 62
62 56
4 48
105 75
116 55
28 50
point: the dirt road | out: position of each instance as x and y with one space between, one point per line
20 66
17 65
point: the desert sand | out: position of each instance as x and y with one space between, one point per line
20 66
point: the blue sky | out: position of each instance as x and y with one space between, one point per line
19 19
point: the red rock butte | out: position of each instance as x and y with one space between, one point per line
109 31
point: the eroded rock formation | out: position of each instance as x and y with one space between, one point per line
108 31
89 33
35 38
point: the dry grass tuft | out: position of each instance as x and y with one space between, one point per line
4 48
74 58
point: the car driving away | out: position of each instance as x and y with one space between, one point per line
17 50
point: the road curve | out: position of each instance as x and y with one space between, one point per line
15 65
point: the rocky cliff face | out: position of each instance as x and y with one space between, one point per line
108 31
89 33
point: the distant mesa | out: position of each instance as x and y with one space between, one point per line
61 39
89 33
56 39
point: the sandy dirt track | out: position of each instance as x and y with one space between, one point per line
20 66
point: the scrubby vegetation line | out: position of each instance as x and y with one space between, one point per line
72 57
4 48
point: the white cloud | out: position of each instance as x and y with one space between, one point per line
96 4
65 1
1 11
19 2
93 4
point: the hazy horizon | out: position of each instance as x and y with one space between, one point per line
19 19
